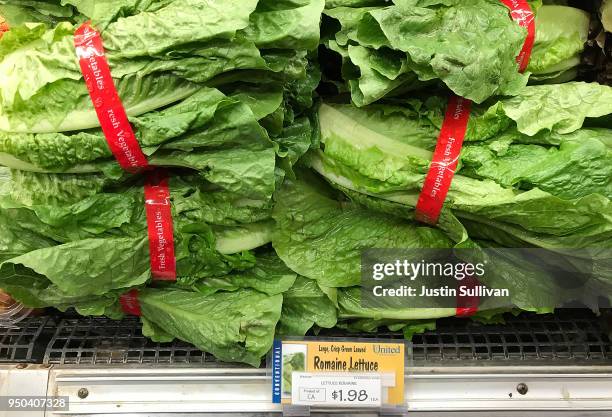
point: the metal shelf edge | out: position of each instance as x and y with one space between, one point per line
142 391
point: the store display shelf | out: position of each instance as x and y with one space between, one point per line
560 364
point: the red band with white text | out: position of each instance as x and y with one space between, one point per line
444 161
439 178
111 113
159 223
4 26
521 13
126 149
130 304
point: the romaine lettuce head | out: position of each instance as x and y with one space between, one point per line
103 238
323 236
528 175
158 52
390 48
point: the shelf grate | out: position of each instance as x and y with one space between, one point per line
567 337
99 341
571 335
23 341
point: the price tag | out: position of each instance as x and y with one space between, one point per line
338 373
337 390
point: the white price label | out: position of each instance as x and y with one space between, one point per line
337 390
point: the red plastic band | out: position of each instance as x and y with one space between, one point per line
111 113
523 15
467 305
441 172
129 303
159 223
3 28
444 161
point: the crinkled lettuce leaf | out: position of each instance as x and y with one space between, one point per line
235 326
322 238
305 305
269 275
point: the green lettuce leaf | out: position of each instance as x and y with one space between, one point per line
304 306
234 326
269 276
322 239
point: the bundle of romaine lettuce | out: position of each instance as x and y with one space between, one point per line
102 238
229 292
219 136
322 236
530 173
389 48
210 91
535 171
206 84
